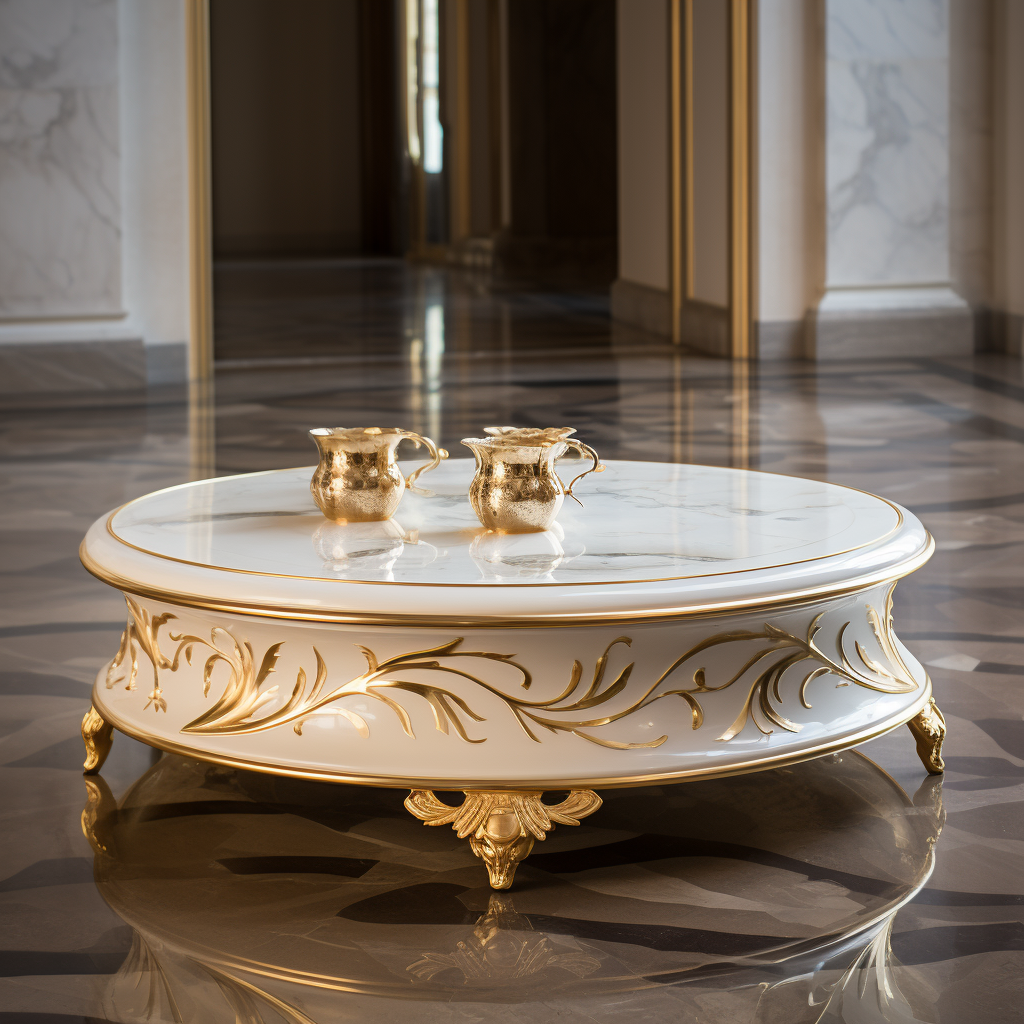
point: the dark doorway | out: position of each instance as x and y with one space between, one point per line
563 143
349 136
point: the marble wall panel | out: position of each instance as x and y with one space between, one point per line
887 149
60 235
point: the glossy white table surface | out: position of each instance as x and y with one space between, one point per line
652 539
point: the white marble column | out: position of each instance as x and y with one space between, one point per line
59 162
91 253
887 277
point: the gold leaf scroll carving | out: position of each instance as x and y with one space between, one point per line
141 633
775 653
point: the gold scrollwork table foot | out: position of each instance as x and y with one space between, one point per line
97 734
502 827
929 729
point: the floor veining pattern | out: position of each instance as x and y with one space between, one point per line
808 899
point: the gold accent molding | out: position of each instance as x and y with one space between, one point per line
681 145
197 44
776 601
502 826
98 736
929 730
740 221
462 168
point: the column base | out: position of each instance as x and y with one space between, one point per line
891 323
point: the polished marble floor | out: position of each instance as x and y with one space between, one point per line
848 889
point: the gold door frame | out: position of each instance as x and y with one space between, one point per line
197 48
200 242
742 82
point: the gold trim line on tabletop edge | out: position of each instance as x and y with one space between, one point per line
491 586
464 785
774 601
486 586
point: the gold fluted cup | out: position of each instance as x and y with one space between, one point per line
516 488
357 479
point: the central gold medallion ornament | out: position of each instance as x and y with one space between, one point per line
502 827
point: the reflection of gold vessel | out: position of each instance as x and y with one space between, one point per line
520 556
257 898
368 547
358 479
516 488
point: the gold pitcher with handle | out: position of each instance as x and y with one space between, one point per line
357 479
516 488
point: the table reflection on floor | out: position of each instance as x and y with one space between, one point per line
763 898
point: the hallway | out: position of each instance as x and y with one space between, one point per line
944 437
334 311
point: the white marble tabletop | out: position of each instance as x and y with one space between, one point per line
659 528
640 521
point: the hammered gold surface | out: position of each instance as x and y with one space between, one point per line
516 488
357 479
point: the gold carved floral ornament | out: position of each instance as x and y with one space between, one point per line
142 631
776 652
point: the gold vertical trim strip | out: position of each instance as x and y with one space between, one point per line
677 267
753 178
200 349
462 205
689 258
739 174
409 12
740 382
494 137
197 28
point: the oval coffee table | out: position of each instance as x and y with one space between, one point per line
689 622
